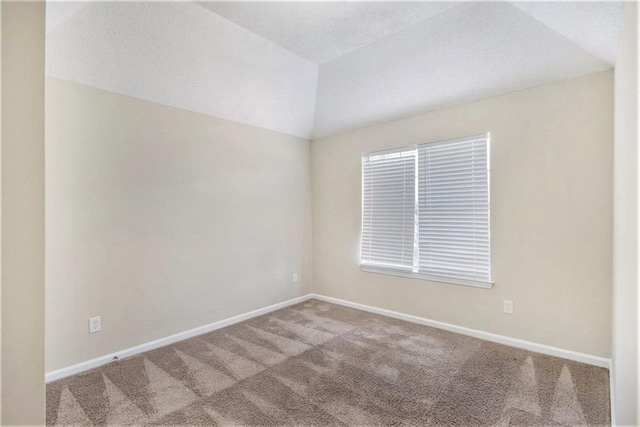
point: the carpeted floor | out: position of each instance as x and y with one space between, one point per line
317 363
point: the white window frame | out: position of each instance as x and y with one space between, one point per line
415 274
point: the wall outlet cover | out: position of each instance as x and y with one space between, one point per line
295 277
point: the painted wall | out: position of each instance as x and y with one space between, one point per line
551 215
0 214
625 246
160 220
22 394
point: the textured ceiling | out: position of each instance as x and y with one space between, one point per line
594 26
59 12
468 52
181 55
313 69
322 31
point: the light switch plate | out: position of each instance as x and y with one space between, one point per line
508 307
95 325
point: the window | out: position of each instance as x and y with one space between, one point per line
425 211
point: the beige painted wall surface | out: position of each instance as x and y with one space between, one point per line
22 394
0 215
551 215
625 248
161 220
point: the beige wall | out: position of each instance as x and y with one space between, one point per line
0 213
625 249
551 215
160 220
22 394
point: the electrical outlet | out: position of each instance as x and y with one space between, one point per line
95 325
295 277
508 307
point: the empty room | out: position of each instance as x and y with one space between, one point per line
305 213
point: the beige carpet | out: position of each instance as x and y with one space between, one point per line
317 363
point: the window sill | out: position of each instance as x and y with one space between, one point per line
412 275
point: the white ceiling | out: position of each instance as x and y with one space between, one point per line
313 69
322 31
594 26
469 52
184 56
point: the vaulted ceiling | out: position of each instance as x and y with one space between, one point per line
313 69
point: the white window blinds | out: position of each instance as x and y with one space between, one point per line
388 208
425 210
453 209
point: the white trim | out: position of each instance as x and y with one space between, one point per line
500 339
487 336
413 275
103 360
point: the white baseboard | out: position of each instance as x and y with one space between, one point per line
500 339
103 360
